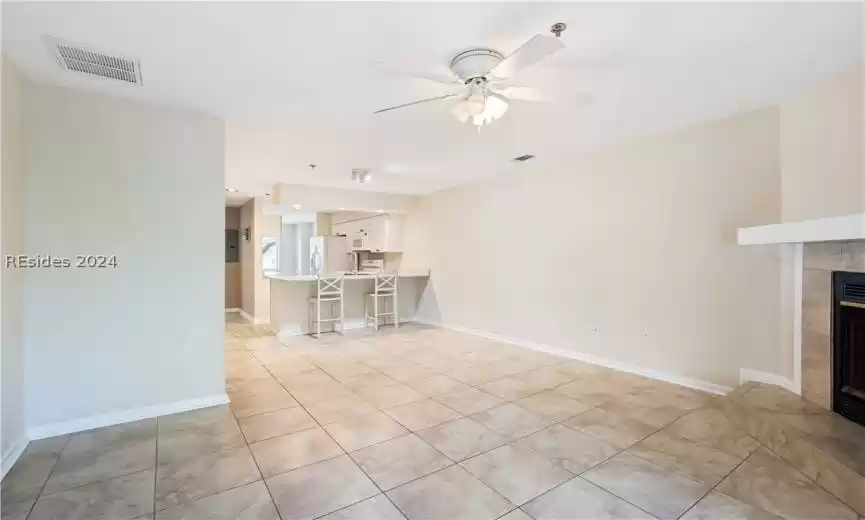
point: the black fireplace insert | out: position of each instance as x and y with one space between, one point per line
848 345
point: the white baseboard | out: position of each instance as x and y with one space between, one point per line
748 374
11 455
135 414
580 356
232 310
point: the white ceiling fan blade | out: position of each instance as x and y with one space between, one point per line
521 93
531 52
418 102
444 78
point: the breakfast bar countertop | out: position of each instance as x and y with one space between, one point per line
410 273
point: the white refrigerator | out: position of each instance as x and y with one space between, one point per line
328 254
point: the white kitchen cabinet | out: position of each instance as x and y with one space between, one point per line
384 232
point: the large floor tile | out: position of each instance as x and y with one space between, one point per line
716 505
662 493
573 450
322 488
436 385
611 428
195 420
511 388
399 460
581 500
378 507
217 434
365 430
553 405
249 502
517 475
462 438
105 453
339 408
294 450
766 481
181 481
712 427
120 498
449 494
511 420
597 389
468 400
422 414
389 396
273 424
695 461
252 404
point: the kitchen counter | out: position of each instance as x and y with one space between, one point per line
348 276
289 299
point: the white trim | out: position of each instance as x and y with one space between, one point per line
10 457
798 269
249 317
135 414
847 227
232 310
748 374
609 363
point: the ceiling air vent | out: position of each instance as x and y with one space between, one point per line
78 59
524 158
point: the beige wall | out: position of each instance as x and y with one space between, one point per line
822 145
255 288
11 218
232 270
247 258
145 183
628 255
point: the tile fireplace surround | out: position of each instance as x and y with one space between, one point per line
820 259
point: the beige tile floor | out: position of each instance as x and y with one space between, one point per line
417 423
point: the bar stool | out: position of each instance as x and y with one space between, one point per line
386 290
329 291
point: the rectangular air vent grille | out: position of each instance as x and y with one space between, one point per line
854 291
97 64
524 158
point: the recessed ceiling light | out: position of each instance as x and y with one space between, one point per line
379 211
342 209
230 190
295 206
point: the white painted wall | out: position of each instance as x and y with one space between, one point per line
12 435
143 183
628 255
822 147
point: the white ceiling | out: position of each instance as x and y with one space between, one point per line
297 82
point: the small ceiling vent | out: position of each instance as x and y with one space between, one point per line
524 158
78 59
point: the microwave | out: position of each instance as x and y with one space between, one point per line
360 242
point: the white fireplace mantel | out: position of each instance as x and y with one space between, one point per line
848 227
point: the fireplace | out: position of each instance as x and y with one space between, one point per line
848 345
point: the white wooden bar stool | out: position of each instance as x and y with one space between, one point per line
386 292
328 292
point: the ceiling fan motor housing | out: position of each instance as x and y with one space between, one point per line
475 63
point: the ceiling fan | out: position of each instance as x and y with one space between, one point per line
482 78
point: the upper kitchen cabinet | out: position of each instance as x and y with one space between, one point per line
380 233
